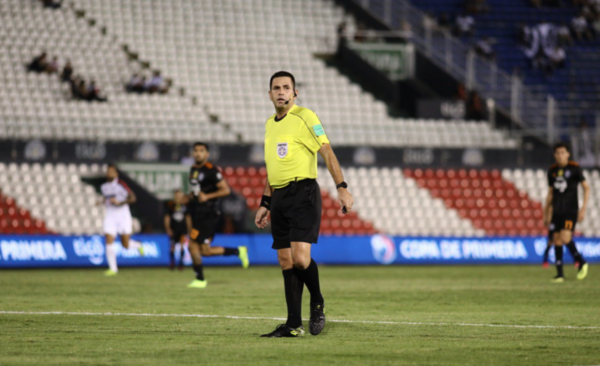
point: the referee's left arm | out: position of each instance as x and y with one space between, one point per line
344 196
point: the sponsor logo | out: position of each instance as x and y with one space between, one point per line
91 248
418 156
32 250
364 156
35 150
90 150
384 250
319 131
473 157
147 151
452 110
282 149
423 249
560 184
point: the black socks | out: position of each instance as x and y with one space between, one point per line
546 253
199 272
293 297
172 256
231 251
310 276
558 251
575 253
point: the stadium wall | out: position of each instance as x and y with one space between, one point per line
88 251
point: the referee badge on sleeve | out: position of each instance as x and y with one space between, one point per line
282 149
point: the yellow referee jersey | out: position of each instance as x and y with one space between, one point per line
291 146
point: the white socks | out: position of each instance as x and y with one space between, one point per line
111 257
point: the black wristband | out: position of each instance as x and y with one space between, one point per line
342 185
265 202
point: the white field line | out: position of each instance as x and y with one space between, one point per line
283 319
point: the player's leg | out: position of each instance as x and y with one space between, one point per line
547 250
558 252
111 256
305 224
181 250
199 282
172 244
125 228
110 233
567 238
207 230
293 285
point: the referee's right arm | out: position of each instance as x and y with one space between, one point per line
262 215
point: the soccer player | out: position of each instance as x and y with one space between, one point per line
117 220
208 185
175 225
292 197
562 211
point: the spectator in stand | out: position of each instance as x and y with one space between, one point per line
155 84
536 3
359 35
476 6
52 67
558 58
596 26
93 93
580 28
484 48
78 89
341 30
444 21
563 35
475 107
136 84
464 25
67 72
52 4
39 63
553 3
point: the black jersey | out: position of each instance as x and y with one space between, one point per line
564 183
176 214
204 179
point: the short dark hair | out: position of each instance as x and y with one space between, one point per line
558 145
282 74
112 165
199 143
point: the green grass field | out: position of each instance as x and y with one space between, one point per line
503 315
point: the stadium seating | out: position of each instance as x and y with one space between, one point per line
201 46
49 198
409 202
37 105
575 87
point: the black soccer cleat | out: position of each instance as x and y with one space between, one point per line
317 319
283 331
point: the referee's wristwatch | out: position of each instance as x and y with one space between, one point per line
342 185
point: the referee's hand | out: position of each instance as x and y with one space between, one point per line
345 198
262 218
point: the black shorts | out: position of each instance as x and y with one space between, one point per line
204 227
296 213
177 235
563 222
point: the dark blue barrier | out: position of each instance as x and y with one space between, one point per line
21 251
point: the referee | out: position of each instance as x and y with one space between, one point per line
292 196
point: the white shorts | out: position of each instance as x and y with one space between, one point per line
118 223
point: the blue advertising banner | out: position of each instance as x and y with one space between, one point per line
30 251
